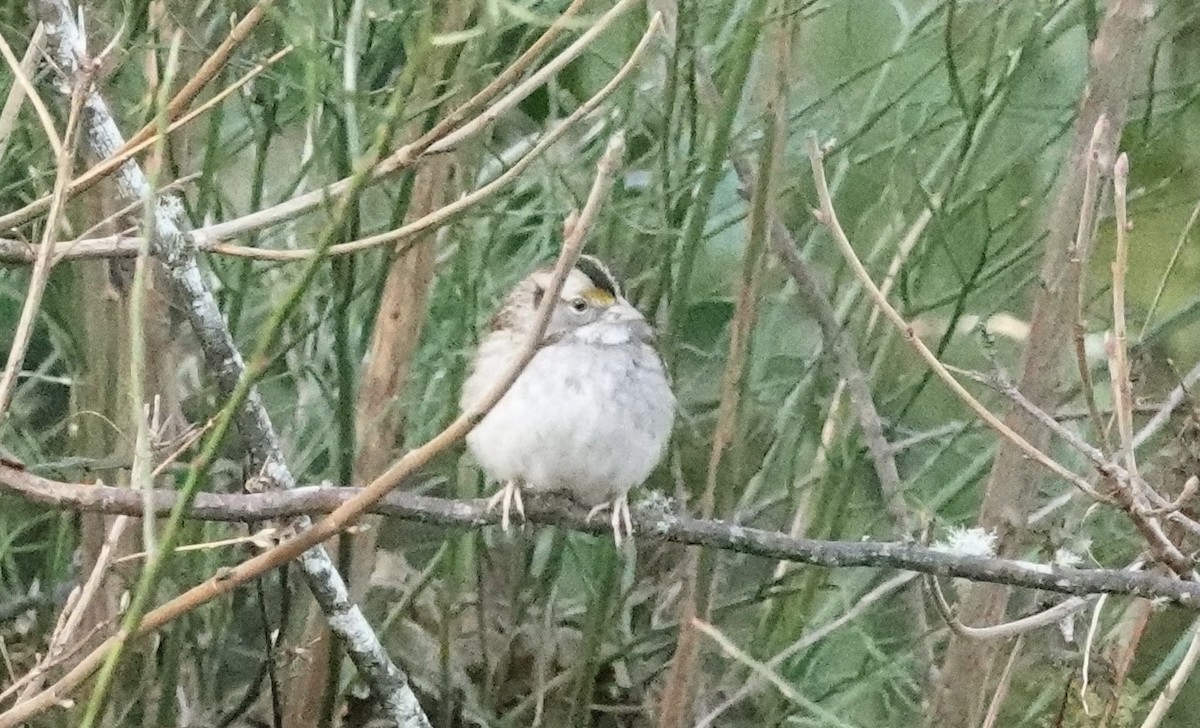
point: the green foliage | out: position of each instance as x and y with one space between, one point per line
960 106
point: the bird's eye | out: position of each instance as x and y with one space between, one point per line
578 305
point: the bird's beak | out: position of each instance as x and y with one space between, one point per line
622 313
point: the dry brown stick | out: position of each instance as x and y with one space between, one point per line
1076 255
24 88
143 138
209 238
827 216
44 262
129 150
350 511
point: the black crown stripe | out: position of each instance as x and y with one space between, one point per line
599 275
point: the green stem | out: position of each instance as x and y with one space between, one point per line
693 234
267 340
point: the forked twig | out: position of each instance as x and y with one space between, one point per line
827 216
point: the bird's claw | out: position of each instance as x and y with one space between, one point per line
620 518
506 498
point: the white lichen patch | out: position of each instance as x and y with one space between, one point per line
972 541
660 508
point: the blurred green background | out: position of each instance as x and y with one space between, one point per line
959 107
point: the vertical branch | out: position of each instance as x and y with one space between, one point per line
102 137
377 428
1116 58
44 261
1081 244
1122 385
683 677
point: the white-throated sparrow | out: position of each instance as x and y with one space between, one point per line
592 412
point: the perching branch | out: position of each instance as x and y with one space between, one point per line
649 523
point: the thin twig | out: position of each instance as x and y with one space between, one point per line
828 217
347 513
1001 691
1184 239
1178 679
1122 394
24 88
44 262
1169 405
763 671
1013 628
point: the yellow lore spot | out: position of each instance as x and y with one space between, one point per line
599 297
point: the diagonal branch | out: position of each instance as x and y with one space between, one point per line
350 511
102 137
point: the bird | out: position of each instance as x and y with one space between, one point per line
590 415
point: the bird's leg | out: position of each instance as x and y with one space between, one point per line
619 519
506 497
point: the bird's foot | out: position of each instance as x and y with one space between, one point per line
506 498
620 518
